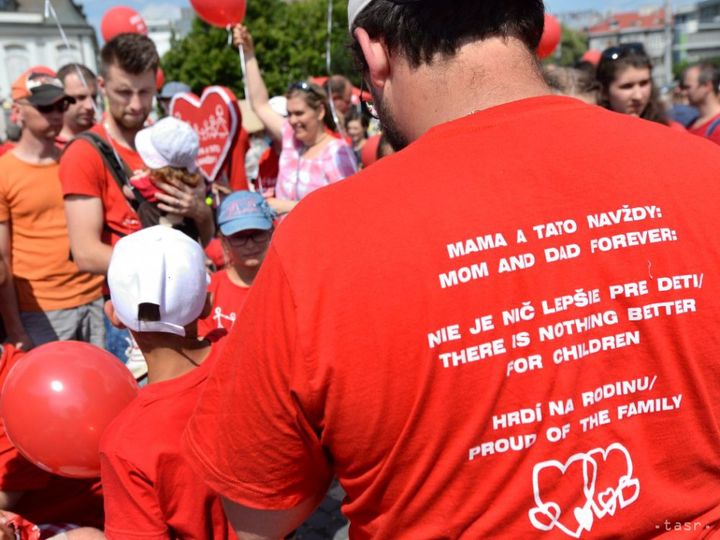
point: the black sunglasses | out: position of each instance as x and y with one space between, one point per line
623 50
61 107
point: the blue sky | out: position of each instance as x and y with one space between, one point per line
96 8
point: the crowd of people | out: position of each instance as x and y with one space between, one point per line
503 329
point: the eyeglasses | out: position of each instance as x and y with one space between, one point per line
241 240
367 107
60 106
623 50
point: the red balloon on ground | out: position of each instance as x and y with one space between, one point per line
550 38
593 56
160 79
58 400
220 13
122 20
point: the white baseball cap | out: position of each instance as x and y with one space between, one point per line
168 143
354 9
161 266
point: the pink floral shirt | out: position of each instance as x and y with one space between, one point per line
299 176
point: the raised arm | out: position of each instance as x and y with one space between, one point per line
259 98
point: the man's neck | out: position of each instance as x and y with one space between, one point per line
481 75
37 151
708 110
121 135
169 356
69 132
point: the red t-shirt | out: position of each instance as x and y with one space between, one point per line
526 346
150 492
227 300
48 498
702 129
83 172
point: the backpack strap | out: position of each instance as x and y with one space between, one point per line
119 170
712 127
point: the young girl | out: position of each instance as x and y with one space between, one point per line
246 227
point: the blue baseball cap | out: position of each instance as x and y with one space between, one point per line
245 210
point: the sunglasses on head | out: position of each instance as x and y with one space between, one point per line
623 50
303 87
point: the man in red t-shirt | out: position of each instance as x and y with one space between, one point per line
700 83
246 226
502 330
99 211
158 287
43 498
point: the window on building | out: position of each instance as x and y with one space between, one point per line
17 60
67 55
8 5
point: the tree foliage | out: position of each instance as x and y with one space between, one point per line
290 44
574 45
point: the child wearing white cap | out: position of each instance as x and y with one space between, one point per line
169 149
158 290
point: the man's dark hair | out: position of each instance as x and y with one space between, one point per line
133 53
420 30
72 69
709 73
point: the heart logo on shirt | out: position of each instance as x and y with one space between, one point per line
215 117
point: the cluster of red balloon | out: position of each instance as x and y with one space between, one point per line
57 401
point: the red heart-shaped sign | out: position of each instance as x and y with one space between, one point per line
214 117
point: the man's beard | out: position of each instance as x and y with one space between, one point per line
128 123
388 124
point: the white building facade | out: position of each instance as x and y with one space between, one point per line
28 38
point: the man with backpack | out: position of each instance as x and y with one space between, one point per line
701 84
96 167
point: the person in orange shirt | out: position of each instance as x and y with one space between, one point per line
47 297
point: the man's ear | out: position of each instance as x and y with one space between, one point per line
112 316
376 56
101 83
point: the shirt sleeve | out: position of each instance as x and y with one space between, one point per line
249 437
342 164
131 508
82 170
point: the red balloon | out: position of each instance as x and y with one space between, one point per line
122 20
593 56
58 400
160 79
220 13
550 38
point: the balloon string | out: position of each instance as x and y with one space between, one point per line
50 11
243 64
328 66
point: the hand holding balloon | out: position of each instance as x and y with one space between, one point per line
243 38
